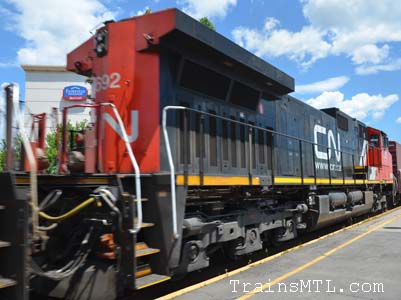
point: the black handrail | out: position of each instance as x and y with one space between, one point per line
301 162
252 127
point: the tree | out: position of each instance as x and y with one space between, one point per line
205 21
148 10
51 152
17 146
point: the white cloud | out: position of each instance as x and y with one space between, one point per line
199 9
359 29
53 28
271 23
377 115
304 47
327 85
360 106
370 54
326 100
398 120
353 24
393 65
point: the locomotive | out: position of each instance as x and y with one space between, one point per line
194 146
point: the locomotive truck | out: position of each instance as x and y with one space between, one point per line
194 147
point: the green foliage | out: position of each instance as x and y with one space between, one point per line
51 152
17 146
205 21
2 155
148 11
52 146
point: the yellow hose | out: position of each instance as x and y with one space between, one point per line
70 213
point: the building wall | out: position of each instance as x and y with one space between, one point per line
43 91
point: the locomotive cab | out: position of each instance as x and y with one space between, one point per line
375 148
379 157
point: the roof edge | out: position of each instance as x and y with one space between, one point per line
44 68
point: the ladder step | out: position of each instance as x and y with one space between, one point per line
142 271
140 246
147 225
150 280
144 224
135 199
146 252
5 283
4 244
143 199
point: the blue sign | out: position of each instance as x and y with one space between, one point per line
75 93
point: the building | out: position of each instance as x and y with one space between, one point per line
45 92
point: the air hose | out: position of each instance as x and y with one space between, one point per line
68 214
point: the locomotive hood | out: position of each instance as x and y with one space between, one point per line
179 32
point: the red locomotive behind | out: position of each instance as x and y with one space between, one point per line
395 150
379 157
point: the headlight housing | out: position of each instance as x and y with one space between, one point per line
101 42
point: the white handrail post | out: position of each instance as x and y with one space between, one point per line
135 165
172 169
31 160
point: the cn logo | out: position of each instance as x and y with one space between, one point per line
134 125
331 142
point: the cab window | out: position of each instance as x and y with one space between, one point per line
385 141
374 140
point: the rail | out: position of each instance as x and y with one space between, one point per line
314 148
136 225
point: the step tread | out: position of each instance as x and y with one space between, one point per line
140 246
143 199
4 244
150 280
146 252
125 194
5 283
144 224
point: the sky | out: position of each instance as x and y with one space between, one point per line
342 53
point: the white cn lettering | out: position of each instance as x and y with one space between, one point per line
331 142
363 157
134 125
321 130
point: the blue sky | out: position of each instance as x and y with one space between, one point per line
343 53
